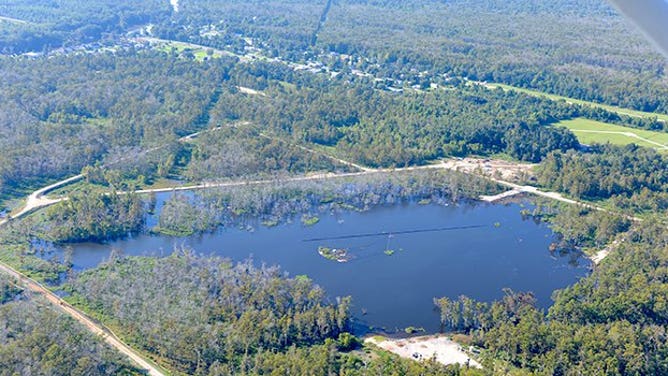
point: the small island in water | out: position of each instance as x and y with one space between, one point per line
334 254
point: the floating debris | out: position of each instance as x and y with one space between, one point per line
308 220
334 254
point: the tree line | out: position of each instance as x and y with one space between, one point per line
35 340
272 204
632 178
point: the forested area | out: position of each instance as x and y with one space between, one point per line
377 128
612 322
200 314
207 316
579 227
579 49
43 25
60 114
88 216
520 43
632 178
592 54
37 341
240 151
392 87
126 112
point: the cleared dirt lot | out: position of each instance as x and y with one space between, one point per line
440 347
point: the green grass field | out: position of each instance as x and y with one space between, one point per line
200 52
590 132
618 110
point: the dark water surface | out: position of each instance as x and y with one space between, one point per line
462 252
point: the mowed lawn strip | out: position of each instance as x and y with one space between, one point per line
591 131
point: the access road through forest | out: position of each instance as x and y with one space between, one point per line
107 335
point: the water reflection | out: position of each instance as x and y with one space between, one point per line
473 250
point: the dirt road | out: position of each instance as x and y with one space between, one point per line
38 198
485 168
92 326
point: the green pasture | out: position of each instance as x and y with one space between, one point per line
591 131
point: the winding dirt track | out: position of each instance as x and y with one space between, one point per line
472 166
38 198
107 335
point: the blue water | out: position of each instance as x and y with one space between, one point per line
393 291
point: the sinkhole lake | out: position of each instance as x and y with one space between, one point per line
467 249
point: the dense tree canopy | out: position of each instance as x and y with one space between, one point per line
58 115
94 216
633 178
195 313
42 25
580 49
37 341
